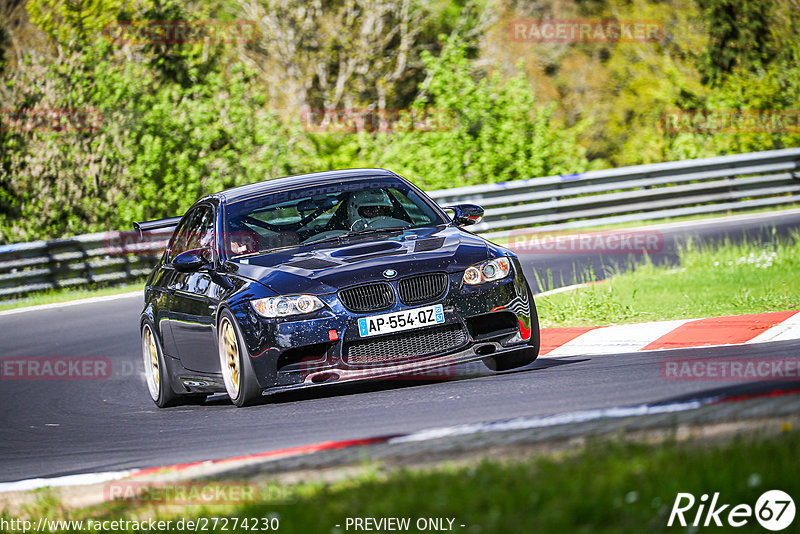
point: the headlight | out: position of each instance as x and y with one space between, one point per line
286 306
487 271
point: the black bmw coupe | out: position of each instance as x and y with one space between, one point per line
326 278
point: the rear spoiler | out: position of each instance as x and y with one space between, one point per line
169 222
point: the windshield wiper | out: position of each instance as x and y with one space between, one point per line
260 252
326 240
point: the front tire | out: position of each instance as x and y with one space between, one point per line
522 357
155 369
237 373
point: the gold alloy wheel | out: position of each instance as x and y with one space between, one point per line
231 348
150 357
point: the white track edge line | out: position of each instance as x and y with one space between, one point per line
564 289
90 300
85 479
525 423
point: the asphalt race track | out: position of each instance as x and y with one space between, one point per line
52 428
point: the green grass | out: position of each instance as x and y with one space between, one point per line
66 295
710 281
608 486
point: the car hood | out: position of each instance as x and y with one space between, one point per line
328 267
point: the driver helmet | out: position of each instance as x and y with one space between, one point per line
368 204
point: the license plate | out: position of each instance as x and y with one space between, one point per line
402 320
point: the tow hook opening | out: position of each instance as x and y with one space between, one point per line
324 377
485 350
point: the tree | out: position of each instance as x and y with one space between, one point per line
348 53
152 145
740 36
483 129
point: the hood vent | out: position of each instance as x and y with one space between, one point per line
425 245
376 255
312 264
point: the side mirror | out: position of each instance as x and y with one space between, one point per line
466 214
191 260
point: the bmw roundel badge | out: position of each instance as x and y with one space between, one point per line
389 273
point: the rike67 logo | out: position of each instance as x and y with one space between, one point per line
774 510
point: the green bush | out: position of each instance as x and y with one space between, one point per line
174 123
493 130
162 143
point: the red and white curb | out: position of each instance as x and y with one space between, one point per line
86 479
663 335
108 476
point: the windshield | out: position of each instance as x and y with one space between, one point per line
330 212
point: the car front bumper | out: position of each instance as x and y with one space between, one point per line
496 319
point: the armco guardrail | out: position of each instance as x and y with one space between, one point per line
643 192
78 261
700 186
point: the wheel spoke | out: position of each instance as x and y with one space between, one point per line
153 356
150 353
231 353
